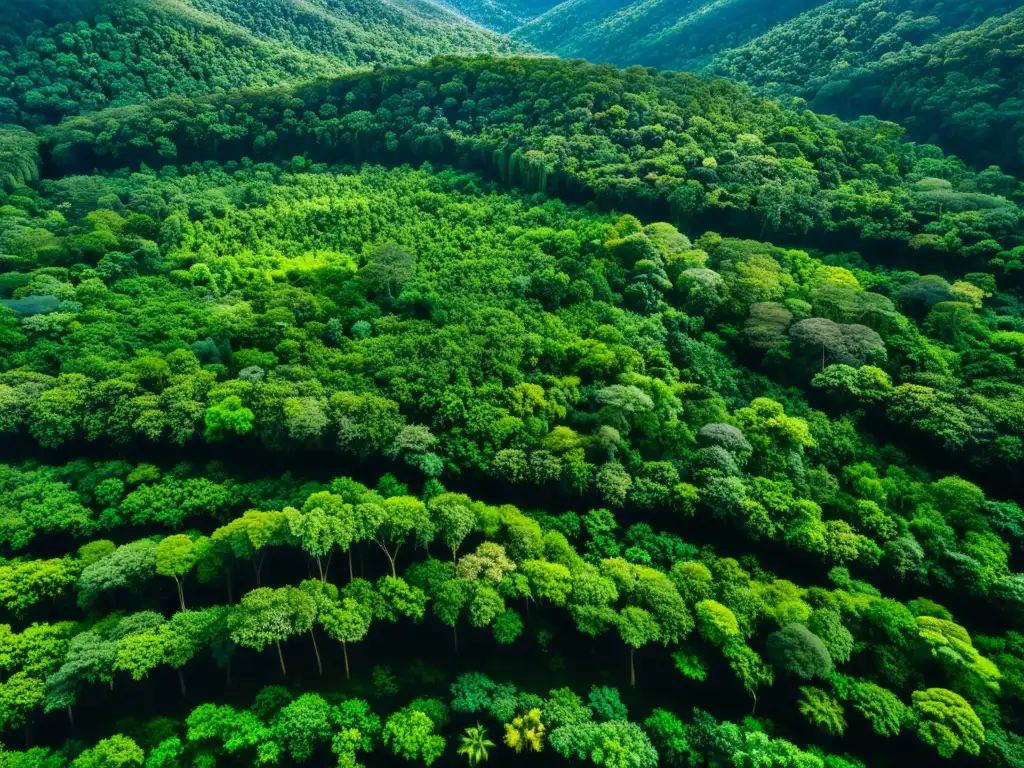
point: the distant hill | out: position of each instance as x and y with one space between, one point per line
950 71
952 78
670 34
63 57
501 15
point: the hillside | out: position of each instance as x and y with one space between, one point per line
501 15
659 33
704 152
64 57
960 88
947 70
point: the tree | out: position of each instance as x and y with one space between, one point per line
454 518
302 724
548 581
613 483
389 266
881 707
325 523
669 736
177 555
394 522
475 744
358 731
822 711
346 622
799 651
766 326
609 744
946 721
606 704
827 624
489 561
249 536
118 751
748 667
637 628
228 416
399 599
409 733
717 624
853 345
266 616
130 565
621 402
20 695
526 732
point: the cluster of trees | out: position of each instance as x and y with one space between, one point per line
218 287
899 666
280 726
701 153
321 311
949 71
65 57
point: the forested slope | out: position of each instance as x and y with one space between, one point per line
950 71
903 61
501 15
701 152
428 318
668 34
63 57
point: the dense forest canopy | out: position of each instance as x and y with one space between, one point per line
63 57
701 152
495 409
950 71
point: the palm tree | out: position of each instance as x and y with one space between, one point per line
475 744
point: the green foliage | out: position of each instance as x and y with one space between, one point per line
822 711
476 324
475 745
799 651
947 722
69 57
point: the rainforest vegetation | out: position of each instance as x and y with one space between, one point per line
950 71
500 409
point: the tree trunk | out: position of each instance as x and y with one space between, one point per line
320 568
344 650
754 708
319 664
351 573
181 682
71 717
327 567
280 657
181 593
632 669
